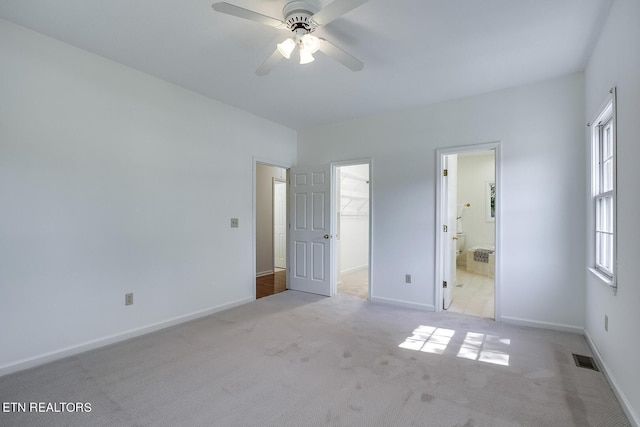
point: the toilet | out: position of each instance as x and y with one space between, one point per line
459 244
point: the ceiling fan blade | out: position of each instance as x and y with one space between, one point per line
240 12
335 10
269 63
340 55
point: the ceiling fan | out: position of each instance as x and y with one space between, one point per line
301 19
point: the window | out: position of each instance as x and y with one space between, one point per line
603 185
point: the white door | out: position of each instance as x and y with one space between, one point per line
449 192
279 223
310 230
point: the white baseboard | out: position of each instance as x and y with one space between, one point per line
354 269
405 304
264 273
622 398
101 342
543 325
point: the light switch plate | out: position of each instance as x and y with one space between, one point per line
234 223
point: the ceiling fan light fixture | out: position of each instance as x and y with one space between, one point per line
310 43
286 47
305 56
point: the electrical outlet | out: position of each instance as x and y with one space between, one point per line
407 278
234 223
606 323
128 299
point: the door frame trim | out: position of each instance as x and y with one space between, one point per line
274 182
440 153
254 235
334 225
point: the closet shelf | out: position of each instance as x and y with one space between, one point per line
347 175
354 196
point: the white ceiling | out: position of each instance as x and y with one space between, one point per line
416 52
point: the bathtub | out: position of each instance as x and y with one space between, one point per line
486 269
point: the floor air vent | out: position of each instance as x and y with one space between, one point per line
585 362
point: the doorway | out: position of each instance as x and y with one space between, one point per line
468 197
315 229
352 219
271 229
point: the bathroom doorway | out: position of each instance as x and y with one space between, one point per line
271 229
468 220
352 229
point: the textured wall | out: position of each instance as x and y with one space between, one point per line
541 131
113 181
616 62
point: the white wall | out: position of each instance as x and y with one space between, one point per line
541 129
113 181
474 171
354 243
264 216
616 62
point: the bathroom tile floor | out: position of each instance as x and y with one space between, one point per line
473 294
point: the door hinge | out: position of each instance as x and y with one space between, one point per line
445 172
445 228
444 284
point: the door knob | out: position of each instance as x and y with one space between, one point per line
326 236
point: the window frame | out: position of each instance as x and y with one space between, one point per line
603 202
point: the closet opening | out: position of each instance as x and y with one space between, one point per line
352 221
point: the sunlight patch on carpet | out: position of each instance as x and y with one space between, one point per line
485 348
476 346
429 339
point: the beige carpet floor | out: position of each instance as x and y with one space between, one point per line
295 359
355 283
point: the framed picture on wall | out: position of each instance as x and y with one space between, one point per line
491 201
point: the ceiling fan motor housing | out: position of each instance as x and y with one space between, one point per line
297 15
